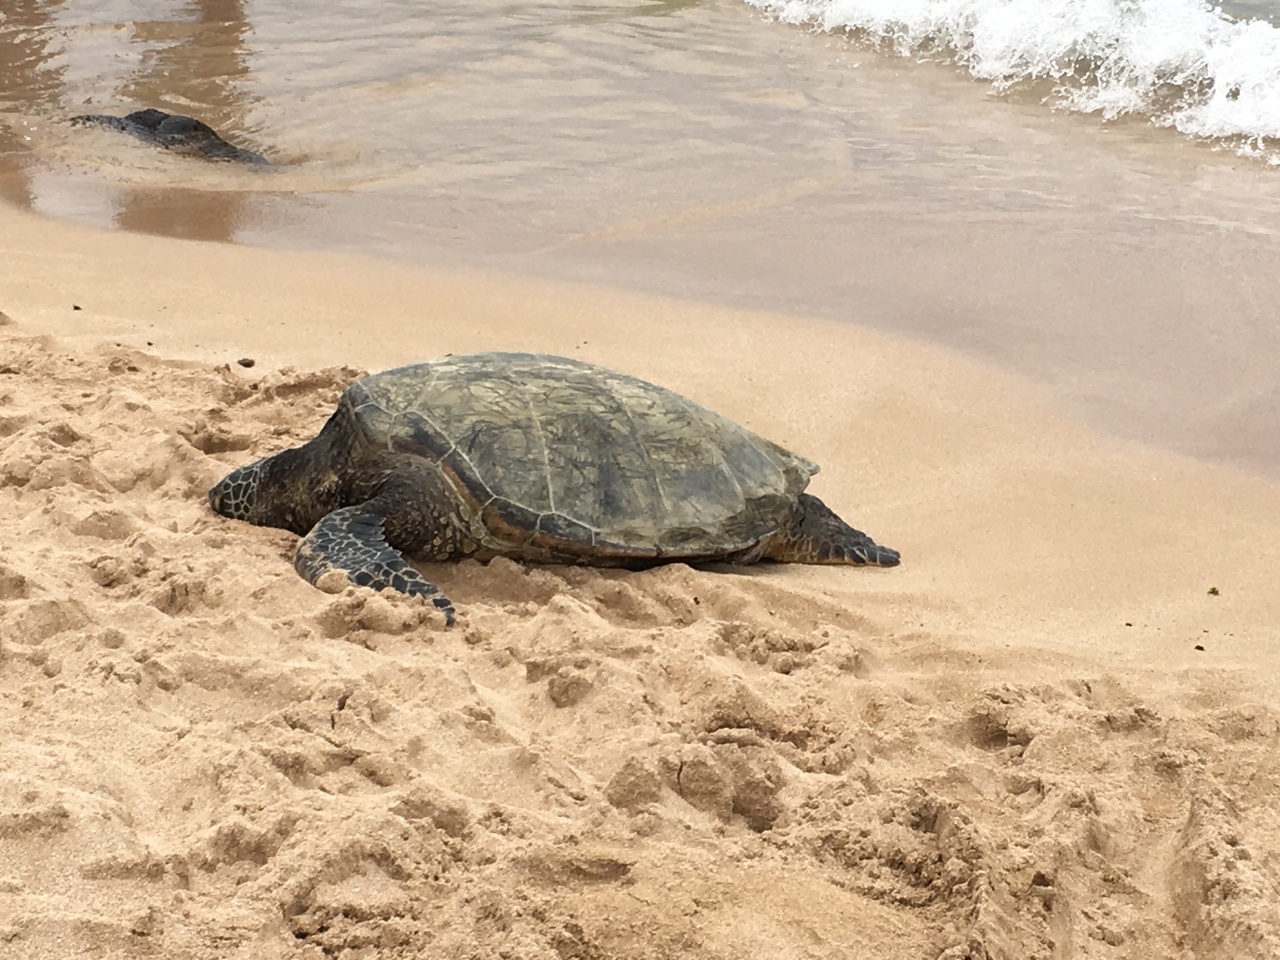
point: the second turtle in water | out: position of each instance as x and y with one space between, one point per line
539 458
173 131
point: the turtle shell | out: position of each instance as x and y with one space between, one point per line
563 456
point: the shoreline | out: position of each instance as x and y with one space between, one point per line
1045 700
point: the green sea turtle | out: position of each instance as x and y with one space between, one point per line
539 458
175 132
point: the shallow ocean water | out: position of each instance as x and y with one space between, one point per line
705 149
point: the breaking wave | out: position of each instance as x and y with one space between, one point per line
1179 63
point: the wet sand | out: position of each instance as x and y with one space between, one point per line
1050 733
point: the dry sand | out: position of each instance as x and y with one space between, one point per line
1043 736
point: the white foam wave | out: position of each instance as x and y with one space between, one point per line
1180 63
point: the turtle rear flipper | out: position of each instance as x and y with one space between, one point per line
353 541
817 535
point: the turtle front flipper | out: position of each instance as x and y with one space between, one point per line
817 535
353 541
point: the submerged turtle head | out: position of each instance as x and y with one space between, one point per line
285 490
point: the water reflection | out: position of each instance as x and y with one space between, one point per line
196 62
27 75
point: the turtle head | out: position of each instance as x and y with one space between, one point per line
289 490
238 495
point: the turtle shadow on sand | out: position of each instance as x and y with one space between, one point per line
175 132
538 458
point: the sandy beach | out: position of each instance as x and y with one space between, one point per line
1050 733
